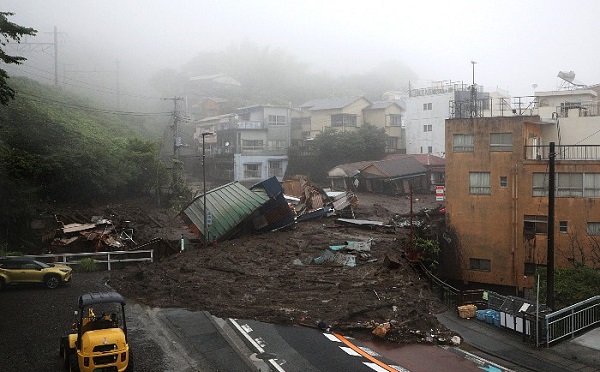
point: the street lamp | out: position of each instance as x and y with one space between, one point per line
204 134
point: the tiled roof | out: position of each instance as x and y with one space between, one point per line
425 159
329 103
398 167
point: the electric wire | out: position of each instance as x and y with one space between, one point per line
92 109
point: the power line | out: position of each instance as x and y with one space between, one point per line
93 109
100 88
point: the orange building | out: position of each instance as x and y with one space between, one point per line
497 199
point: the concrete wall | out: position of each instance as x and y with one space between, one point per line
418 141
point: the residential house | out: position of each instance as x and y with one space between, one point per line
314 116
497 179
250 145
435 165
388 115
392 176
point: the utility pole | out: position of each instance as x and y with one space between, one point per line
176 134
550 259
55 57
40 47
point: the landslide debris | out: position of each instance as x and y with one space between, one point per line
273 277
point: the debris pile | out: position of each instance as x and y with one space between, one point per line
292 276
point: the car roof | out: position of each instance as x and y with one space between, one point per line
93 298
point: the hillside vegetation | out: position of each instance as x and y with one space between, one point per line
55 147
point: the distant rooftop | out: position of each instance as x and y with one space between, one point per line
329 103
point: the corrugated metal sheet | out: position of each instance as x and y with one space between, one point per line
229 205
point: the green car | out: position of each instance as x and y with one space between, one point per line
28 270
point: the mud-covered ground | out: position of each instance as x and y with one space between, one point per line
272 277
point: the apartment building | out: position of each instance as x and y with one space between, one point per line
497 179
249 145
428 108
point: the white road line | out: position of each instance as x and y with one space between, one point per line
478 360
250 339
258 348
331 337
349 351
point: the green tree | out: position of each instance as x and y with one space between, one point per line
10 31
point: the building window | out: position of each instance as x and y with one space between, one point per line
569 185
343 120
462 143
503 182
429 149
395 120
591 185
540 184
392 143
252 144
276 120
530 268
278 145
427 106
593 228
501 141
479 183
563 227
535 224
480 264
275 168
252 170
427 128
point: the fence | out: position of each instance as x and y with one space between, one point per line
448 294
108 258
570 320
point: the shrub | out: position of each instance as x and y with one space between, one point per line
88 265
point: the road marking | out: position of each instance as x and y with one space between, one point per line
258 347
331 337
349 351
483 364
378 363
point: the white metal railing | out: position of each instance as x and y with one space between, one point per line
572 319
107 258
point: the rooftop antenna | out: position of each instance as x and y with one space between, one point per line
473 94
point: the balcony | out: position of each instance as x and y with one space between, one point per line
242 124
563 152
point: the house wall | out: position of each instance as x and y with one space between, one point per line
574 129
321 119
278 132
417 140
381 119
241 160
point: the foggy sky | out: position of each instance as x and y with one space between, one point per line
515 43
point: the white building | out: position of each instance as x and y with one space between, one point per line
428 108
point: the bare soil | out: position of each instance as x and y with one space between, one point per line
272 277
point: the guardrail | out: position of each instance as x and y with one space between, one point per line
572 319
107 258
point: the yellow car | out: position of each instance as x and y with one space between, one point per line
27 270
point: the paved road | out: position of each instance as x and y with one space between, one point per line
32 320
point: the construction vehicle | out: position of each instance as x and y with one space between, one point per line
98 343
